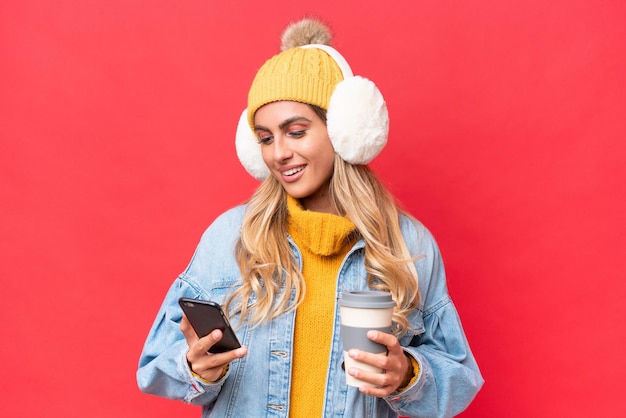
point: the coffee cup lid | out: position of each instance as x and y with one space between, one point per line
367 299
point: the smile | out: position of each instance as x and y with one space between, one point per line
293 171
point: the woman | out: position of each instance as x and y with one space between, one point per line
320 223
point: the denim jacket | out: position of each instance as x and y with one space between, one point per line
258 384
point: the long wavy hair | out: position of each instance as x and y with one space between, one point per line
271 279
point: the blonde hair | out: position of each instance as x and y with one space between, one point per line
269 270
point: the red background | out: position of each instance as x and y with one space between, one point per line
117 123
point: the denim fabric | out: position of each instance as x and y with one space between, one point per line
258 385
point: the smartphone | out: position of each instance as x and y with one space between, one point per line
205 316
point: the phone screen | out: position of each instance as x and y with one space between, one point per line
206 316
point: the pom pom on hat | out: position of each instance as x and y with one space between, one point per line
305 32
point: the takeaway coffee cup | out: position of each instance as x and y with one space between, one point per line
360 312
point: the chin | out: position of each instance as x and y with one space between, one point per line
295 194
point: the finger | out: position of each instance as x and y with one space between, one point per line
377 384
204 344
188 331
393 369
377 360
198 349
209 365
388 340
376 374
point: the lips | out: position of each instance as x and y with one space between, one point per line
293 171
292 174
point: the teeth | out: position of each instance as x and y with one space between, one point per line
292 171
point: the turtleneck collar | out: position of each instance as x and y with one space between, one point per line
323 234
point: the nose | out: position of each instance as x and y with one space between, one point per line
282 150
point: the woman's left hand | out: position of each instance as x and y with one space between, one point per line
397 368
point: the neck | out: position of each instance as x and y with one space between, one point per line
318 203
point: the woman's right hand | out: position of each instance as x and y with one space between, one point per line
207 365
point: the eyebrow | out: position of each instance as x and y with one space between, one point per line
284 123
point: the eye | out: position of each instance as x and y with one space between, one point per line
297 134
265 139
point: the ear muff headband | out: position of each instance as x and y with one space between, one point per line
346 71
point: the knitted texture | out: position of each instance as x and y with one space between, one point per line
307 75
324 240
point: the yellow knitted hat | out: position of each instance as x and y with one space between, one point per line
307 75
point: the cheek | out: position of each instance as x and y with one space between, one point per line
329 152
266 154
326 158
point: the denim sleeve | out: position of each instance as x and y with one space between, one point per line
163 368
449 377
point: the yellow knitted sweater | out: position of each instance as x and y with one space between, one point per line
324 240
